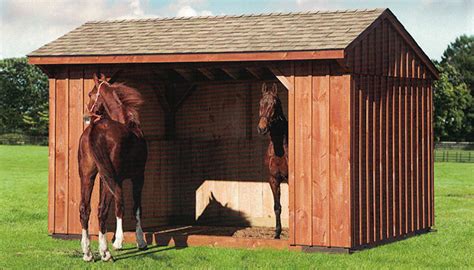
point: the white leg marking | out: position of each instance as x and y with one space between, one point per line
118 235
103 250
141 244
85 244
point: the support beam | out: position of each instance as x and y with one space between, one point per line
186 74
255 72
207 73
187 57
342 65
281 77
186 94
233 73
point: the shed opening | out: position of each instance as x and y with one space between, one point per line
205 173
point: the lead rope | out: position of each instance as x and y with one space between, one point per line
91 110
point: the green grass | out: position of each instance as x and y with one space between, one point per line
25 244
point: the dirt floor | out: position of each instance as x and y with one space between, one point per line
241 232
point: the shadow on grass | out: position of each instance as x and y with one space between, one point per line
141 253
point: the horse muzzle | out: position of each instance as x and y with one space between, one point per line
262 131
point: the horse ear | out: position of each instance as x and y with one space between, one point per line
102 77
274 90
264 88
96 80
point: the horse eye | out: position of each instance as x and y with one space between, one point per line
90 94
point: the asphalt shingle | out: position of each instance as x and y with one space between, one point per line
219 34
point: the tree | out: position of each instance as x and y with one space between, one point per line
460 54
23 97
452 99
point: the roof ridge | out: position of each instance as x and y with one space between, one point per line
266 14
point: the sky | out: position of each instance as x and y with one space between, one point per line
28 24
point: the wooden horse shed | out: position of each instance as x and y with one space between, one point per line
355 87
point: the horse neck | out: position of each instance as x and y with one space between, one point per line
279 135
116 112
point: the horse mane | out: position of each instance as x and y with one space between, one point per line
131 100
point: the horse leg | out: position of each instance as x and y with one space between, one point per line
119 210
106 197
87 185
137 210
275 185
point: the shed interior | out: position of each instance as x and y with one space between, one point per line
205 172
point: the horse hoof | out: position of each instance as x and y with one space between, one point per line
277 237
117 246
142 247
106 257
88 257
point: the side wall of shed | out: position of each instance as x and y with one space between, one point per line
68 89
392 138
319 147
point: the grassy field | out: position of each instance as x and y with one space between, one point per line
24 242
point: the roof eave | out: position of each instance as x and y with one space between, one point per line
187 57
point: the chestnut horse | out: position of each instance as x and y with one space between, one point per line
273 121
112 146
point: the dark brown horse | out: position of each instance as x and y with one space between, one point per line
273 121
112 146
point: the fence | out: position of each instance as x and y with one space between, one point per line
22 139
454 152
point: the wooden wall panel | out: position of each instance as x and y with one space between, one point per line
291 154
52 156
370 160
88 84
320 154
303 142
393 123
340 159
382 159
432 201
62 152
75 130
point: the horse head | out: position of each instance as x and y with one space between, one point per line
270 108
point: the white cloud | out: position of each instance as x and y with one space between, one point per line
135 7
27 25
188 8
188 11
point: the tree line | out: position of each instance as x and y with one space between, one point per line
24 95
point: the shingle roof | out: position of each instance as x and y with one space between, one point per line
218 34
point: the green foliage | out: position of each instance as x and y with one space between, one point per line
23 97
452 101
460 54
453 96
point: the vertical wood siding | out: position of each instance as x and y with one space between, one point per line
393 132
52 157
321 181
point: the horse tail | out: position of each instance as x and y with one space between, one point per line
103 161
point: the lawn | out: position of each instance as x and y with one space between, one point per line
25 244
